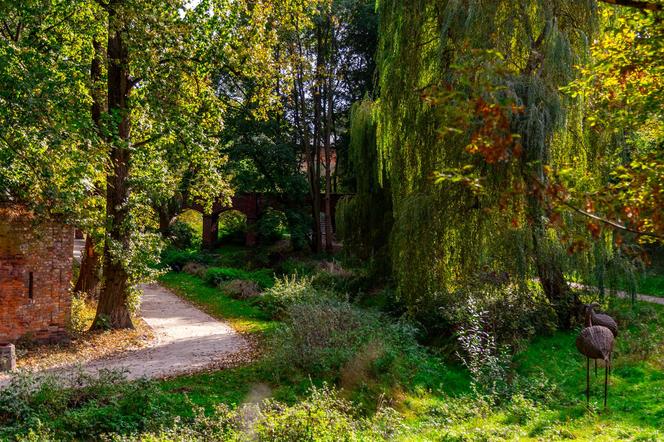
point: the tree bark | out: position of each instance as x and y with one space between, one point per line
329 89
112 309
318 107
88 277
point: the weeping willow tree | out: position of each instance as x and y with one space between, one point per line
364 220
451 74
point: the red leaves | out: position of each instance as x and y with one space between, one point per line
494 140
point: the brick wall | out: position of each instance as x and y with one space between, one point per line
35 274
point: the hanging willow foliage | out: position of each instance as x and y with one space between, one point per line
364 220
436 59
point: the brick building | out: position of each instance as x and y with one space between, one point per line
35 274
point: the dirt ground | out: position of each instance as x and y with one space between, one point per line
186 340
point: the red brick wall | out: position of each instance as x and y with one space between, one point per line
45 250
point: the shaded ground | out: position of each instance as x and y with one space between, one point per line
187 340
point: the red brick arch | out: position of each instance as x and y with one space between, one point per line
252 205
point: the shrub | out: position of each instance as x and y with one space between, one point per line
487 362
232 226
218 276
182 236
322 416
100 404
332 338
285 292
81 314
176 259
241 289
292 266
272 226
195 268
512 314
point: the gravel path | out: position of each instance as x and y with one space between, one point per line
621 294
187 340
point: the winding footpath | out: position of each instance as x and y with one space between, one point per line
187 340
622 294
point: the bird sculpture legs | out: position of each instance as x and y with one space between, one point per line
606 382
588 381
595 367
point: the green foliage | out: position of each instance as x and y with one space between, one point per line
79 316
272 226
364 220
176 259
287 291
218 276
232 226
182 236
329 338
104 404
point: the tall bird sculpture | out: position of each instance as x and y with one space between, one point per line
596 342
592 318
605 320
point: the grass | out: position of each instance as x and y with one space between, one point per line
636 394
439 401
242 316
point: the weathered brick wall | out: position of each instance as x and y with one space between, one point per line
41 252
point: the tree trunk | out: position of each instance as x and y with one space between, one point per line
550 273
308 149
112 309
88 277
166 217
329 86
318 105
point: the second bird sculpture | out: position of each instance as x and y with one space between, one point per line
592 318
596 342
603 319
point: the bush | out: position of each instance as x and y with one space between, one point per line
330 338
195 268
176 259
102 404
323 416
487 362
81 315
272 226
232 226
218 276
292 266
511 314
182 236
285 292
241 289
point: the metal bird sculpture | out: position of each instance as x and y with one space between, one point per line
603 319
596 342
592 318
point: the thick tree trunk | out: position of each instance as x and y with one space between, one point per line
88 277
112 309
166 218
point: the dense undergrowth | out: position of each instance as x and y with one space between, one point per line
338 364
